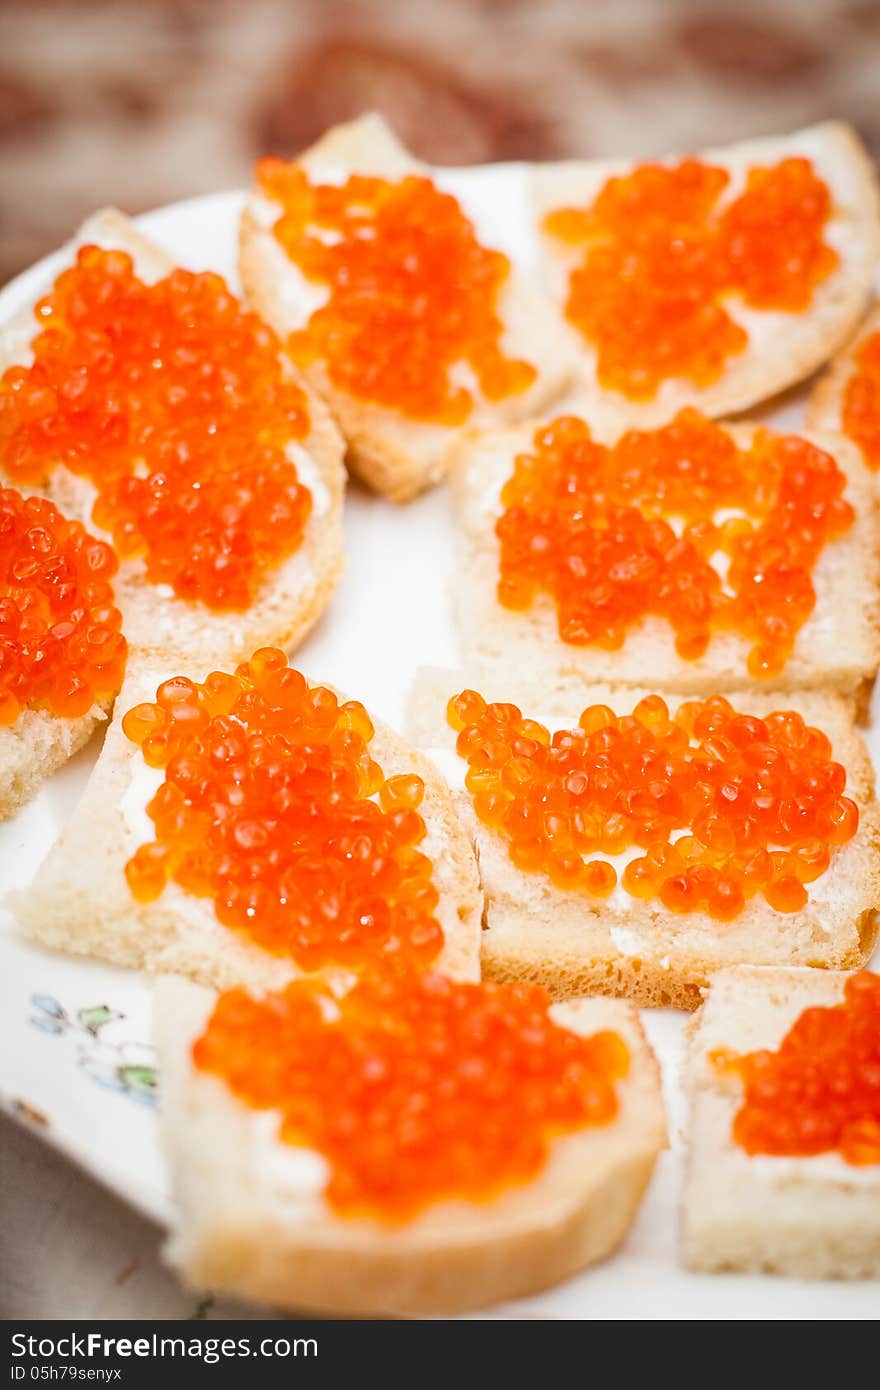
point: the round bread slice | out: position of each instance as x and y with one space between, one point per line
154 619
252 1220
783 347
39 742
35 746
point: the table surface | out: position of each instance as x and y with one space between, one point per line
72 1250
140 105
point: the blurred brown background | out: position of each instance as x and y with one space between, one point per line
140 102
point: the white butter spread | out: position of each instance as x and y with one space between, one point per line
144 782
829 1168
628 943
295 1177
450 766
310 477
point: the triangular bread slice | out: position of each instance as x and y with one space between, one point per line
573 944
80 901
808 1218
837 648
783 348
154 619
393 455
252 1220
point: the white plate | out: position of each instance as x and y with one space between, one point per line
74 1035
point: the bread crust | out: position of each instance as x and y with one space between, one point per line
80 902
235 1234
783 348
392 455
837 648
807 1218
574 945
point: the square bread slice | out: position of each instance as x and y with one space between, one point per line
253 1221
80 901
154 619
783 347
393 455
825 410
573 944
837 648
809 1218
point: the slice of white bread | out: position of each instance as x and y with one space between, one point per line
783 348
80 901
810 1218
35 746
838 646
154 619
825 409
393 455
39 742
573 944
252 1219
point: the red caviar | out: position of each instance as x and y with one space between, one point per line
616 535
415 1089
861 401
60 644
412 294
662 253
175 403
723 806
267 808
819 1091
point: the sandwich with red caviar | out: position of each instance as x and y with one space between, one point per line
712 556
246 826
412 1145
715 279
62 652
399 314
784 1145
150 403
642 842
